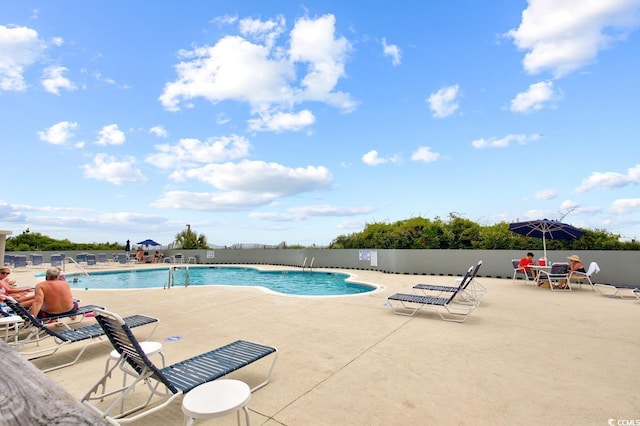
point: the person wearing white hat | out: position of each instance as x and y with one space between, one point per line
575 264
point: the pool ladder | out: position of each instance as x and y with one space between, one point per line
304 264
171 277
72 260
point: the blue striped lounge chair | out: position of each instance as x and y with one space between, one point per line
37 332
91 259
82 312
37 260
166 383
447 307
56 260
469 290
20 261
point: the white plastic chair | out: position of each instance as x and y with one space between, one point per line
520 272
584 277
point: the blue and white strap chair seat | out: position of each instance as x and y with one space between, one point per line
31 345
166 384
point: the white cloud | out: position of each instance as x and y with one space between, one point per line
444 102
535 98
372 158
352 224
425 155
505 141
545 194
264 75
563 36
282 121
244 185
107 168
625 205
313 43
265 31
609 180
222 118
259 177
328 210
207 201
302 213
53 80
20 47
189 152
158 131
391 50
59 133
110 135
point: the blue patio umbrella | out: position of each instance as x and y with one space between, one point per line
148 243
546 229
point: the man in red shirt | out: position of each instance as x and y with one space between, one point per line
525 265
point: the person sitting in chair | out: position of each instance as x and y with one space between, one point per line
525 265
575 264
140 255
157 257
53 296
8 287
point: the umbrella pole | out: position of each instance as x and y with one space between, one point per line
544 247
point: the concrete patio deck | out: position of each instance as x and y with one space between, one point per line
525 356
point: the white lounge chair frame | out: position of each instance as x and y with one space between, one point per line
410 304
468 288
609 290
581 278
168 383
37 331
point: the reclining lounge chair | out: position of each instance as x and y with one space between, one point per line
447 307
467 286
609 290
76 317
37 332
169 382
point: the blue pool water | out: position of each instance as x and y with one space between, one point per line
287 282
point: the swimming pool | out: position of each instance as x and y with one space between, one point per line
301 283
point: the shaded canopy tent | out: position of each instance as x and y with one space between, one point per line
148 242
546 229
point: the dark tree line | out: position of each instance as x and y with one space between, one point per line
413 233
460 233
35 241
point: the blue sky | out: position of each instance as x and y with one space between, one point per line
263 122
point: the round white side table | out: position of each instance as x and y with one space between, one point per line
11 327
216 399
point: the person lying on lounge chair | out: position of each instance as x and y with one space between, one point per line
23 295
53 296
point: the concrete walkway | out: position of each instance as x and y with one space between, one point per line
525 356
